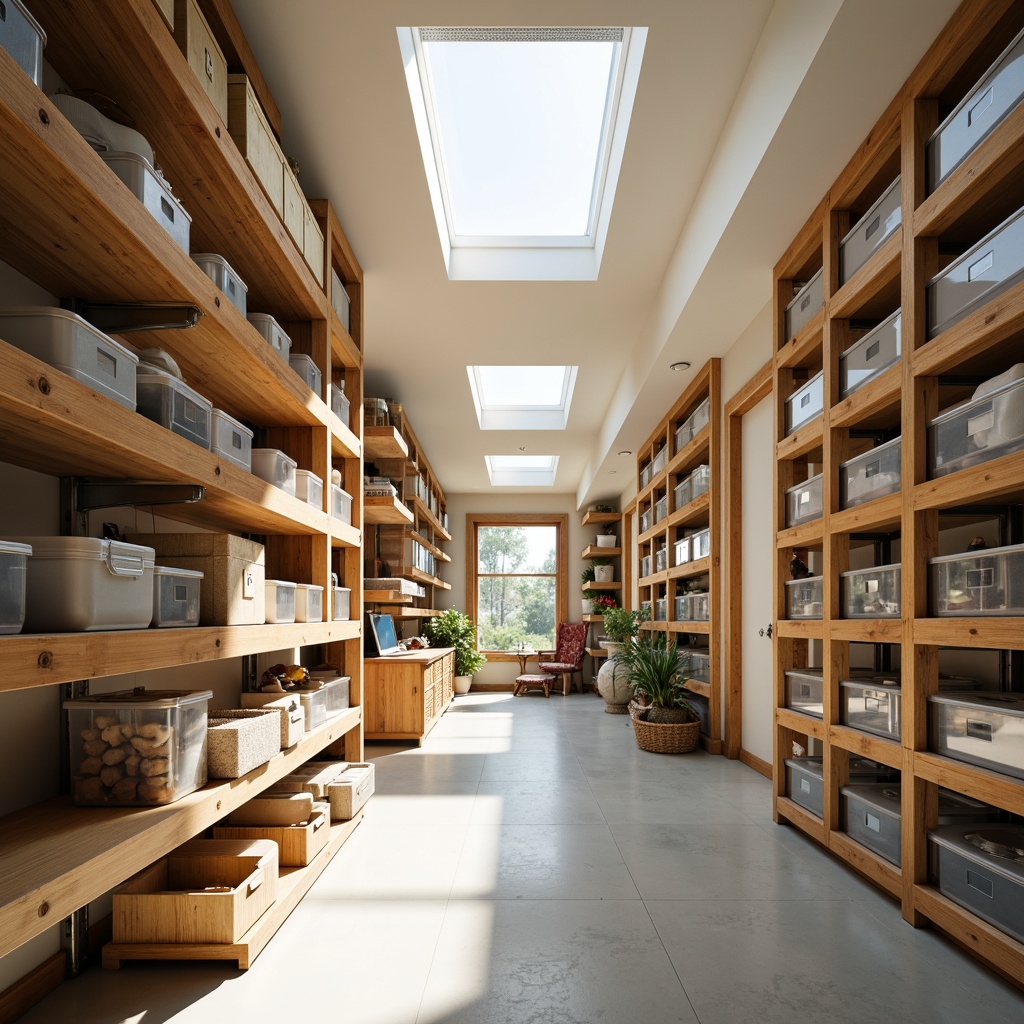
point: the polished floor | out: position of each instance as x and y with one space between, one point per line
530 864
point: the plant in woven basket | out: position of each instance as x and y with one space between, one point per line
656 670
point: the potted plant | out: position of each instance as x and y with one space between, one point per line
604 603
621 627
587 602
606 538
453 628
587 576
604 571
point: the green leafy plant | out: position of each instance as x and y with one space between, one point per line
588 575
600 561
621 624
453 628
656 669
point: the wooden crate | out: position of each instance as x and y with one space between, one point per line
204 56
209 890
297 844
248 126
277 809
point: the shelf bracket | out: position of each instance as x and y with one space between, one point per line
125 317
79 496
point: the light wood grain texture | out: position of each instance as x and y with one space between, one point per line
384 443
885 875
759 765
381 509
808 823
297 844
863 744
405 696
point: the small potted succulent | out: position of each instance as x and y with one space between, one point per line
604 571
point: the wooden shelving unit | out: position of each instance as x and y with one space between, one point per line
670 509
927 379
70 226
605 522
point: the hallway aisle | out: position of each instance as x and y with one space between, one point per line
530 864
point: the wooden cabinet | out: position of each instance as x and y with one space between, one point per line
404 696
928 513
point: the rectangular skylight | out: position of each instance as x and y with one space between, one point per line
521 470
522 132
522 397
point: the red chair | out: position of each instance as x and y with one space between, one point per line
566 659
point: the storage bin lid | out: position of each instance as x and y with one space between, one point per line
805 579
11 547
122 559
302 358
984 843
811 673
259 318
1001 703
280 583
344 589
140 697
970 556
167 570
200 258
308 586
309 475
810 765
856 227
335 487
220 414
806 483
800 291
56 313
894 443
896 566
266 453
884 797
882 682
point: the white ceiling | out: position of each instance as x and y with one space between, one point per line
745 113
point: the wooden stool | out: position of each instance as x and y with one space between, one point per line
533 679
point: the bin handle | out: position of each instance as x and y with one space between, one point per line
320 824
123 563
254 881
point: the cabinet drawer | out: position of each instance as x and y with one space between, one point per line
204 56
249 128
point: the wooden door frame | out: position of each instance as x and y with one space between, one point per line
751 394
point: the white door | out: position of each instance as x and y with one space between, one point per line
758 547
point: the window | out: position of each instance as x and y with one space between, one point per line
517 591
522 397
521 470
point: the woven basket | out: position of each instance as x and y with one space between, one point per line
672 738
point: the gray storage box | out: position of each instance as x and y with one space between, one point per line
339 403
997 92
804 691
872 705
153 191
700 481
865 237
879 349
807 301
806 403
700 664
13 574
871 593
804 501
22 37
272 333
222 274
985 729
986 270
805 779
645 520
700 607
872 475
980 867
231 439
304 366
173 404
804 598
75 347
681 494
661 508
661 610
175 596
986 582
987 427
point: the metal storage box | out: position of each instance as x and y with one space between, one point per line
309 488
75 347
231 439
804 501
661 508
988 269
645 520
872 705
865 237
204 56
986 879
872 355
805 303
661 610
341 504
661 559
700 607
682 493
986 729
804 691
239 741
341 604
273 466
645 566
805 780
280 600
804 598
175 596
340 403
13 573
137 747
660 461
304 366
81 584
871 475
231 592
153 191
272 333
682 551
700 544
997 92
221 273
871 593
309 602
22 37
340 300
174 405
984 428
700 665
986 582
806 403
297 844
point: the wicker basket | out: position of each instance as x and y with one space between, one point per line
658 738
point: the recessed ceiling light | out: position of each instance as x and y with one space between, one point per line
681 365
625 452
612 472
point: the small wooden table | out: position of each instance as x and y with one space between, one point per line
524 657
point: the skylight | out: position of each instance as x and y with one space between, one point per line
522 132
521 470
522 397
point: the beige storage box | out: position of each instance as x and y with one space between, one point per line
274 809
294 203
204 56
251 131
313 777
237 741
289 708
350 790
209 890
232 589
166 8
313 244
297 843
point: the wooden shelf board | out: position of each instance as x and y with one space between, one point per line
382 509
700 567
871 398
657 532
597 652
344 350
424 543
423 512
804 345
392 597
56 857
881 269
593 618
593 551
801 818
416 613
344 444
876 631
1001 633
692 512
384 443
593 585
412 573
802 536
802 629
801 723
882 514
698 686
36 659
990 787
344 535
999 479
596 518
683 626
887 752
654 579
800 442
885 875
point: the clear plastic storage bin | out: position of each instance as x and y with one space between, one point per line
661 610
682 493
682 551
879 349
341 504
340 301
682 607
280 598
273 466
865 237
661 508
985 729
65 341
700 665
986 582
231 439
309 488
304 366
872 705
871 475
804 598
174 405
272 333
804 501
805 781
871 593
309 602
700 544
23 38
645 520
223 275
340 403
806 403
699 418
645 566
700 607
175 596
661 559
660 461
13 573
700 481
807 301
341 604
982 429
134 747
804 691
153 191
